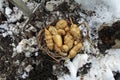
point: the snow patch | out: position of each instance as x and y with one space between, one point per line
106 11
73 67
8 11
26 46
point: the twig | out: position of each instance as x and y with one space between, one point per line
31 16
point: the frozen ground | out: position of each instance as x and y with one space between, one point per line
102 67
23 54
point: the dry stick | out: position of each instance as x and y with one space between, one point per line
28 20
71 20
53 57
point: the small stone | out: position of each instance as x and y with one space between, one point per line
50 6
27 54
28 68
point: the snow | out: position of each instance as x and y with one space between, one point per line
25 46
73 66
4 26
113 59
106 11
81 60
102 66
67 77
99 72
25 75
15 16
8 11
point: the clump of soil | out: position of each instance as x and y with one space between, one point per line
42 71
108 35
13 68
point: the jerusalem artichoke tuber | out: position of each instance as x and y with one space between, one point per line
74 30
74 50
68 40
48 39
61 24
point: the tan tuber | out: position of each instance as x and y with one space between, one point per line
64 39
56 37
61 31
61 24
57 40
74 50
48 39
58 49
75 31
65 48
52 30
68 40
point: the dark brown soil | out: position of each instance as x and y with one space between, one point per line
108 35
42 64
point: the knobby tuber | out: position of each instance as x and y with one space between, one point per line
48 39
74 50
63 39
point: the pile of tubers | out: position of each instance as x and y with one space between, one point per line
64 39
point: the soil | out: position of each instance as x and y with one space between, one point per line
108 35
13 68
